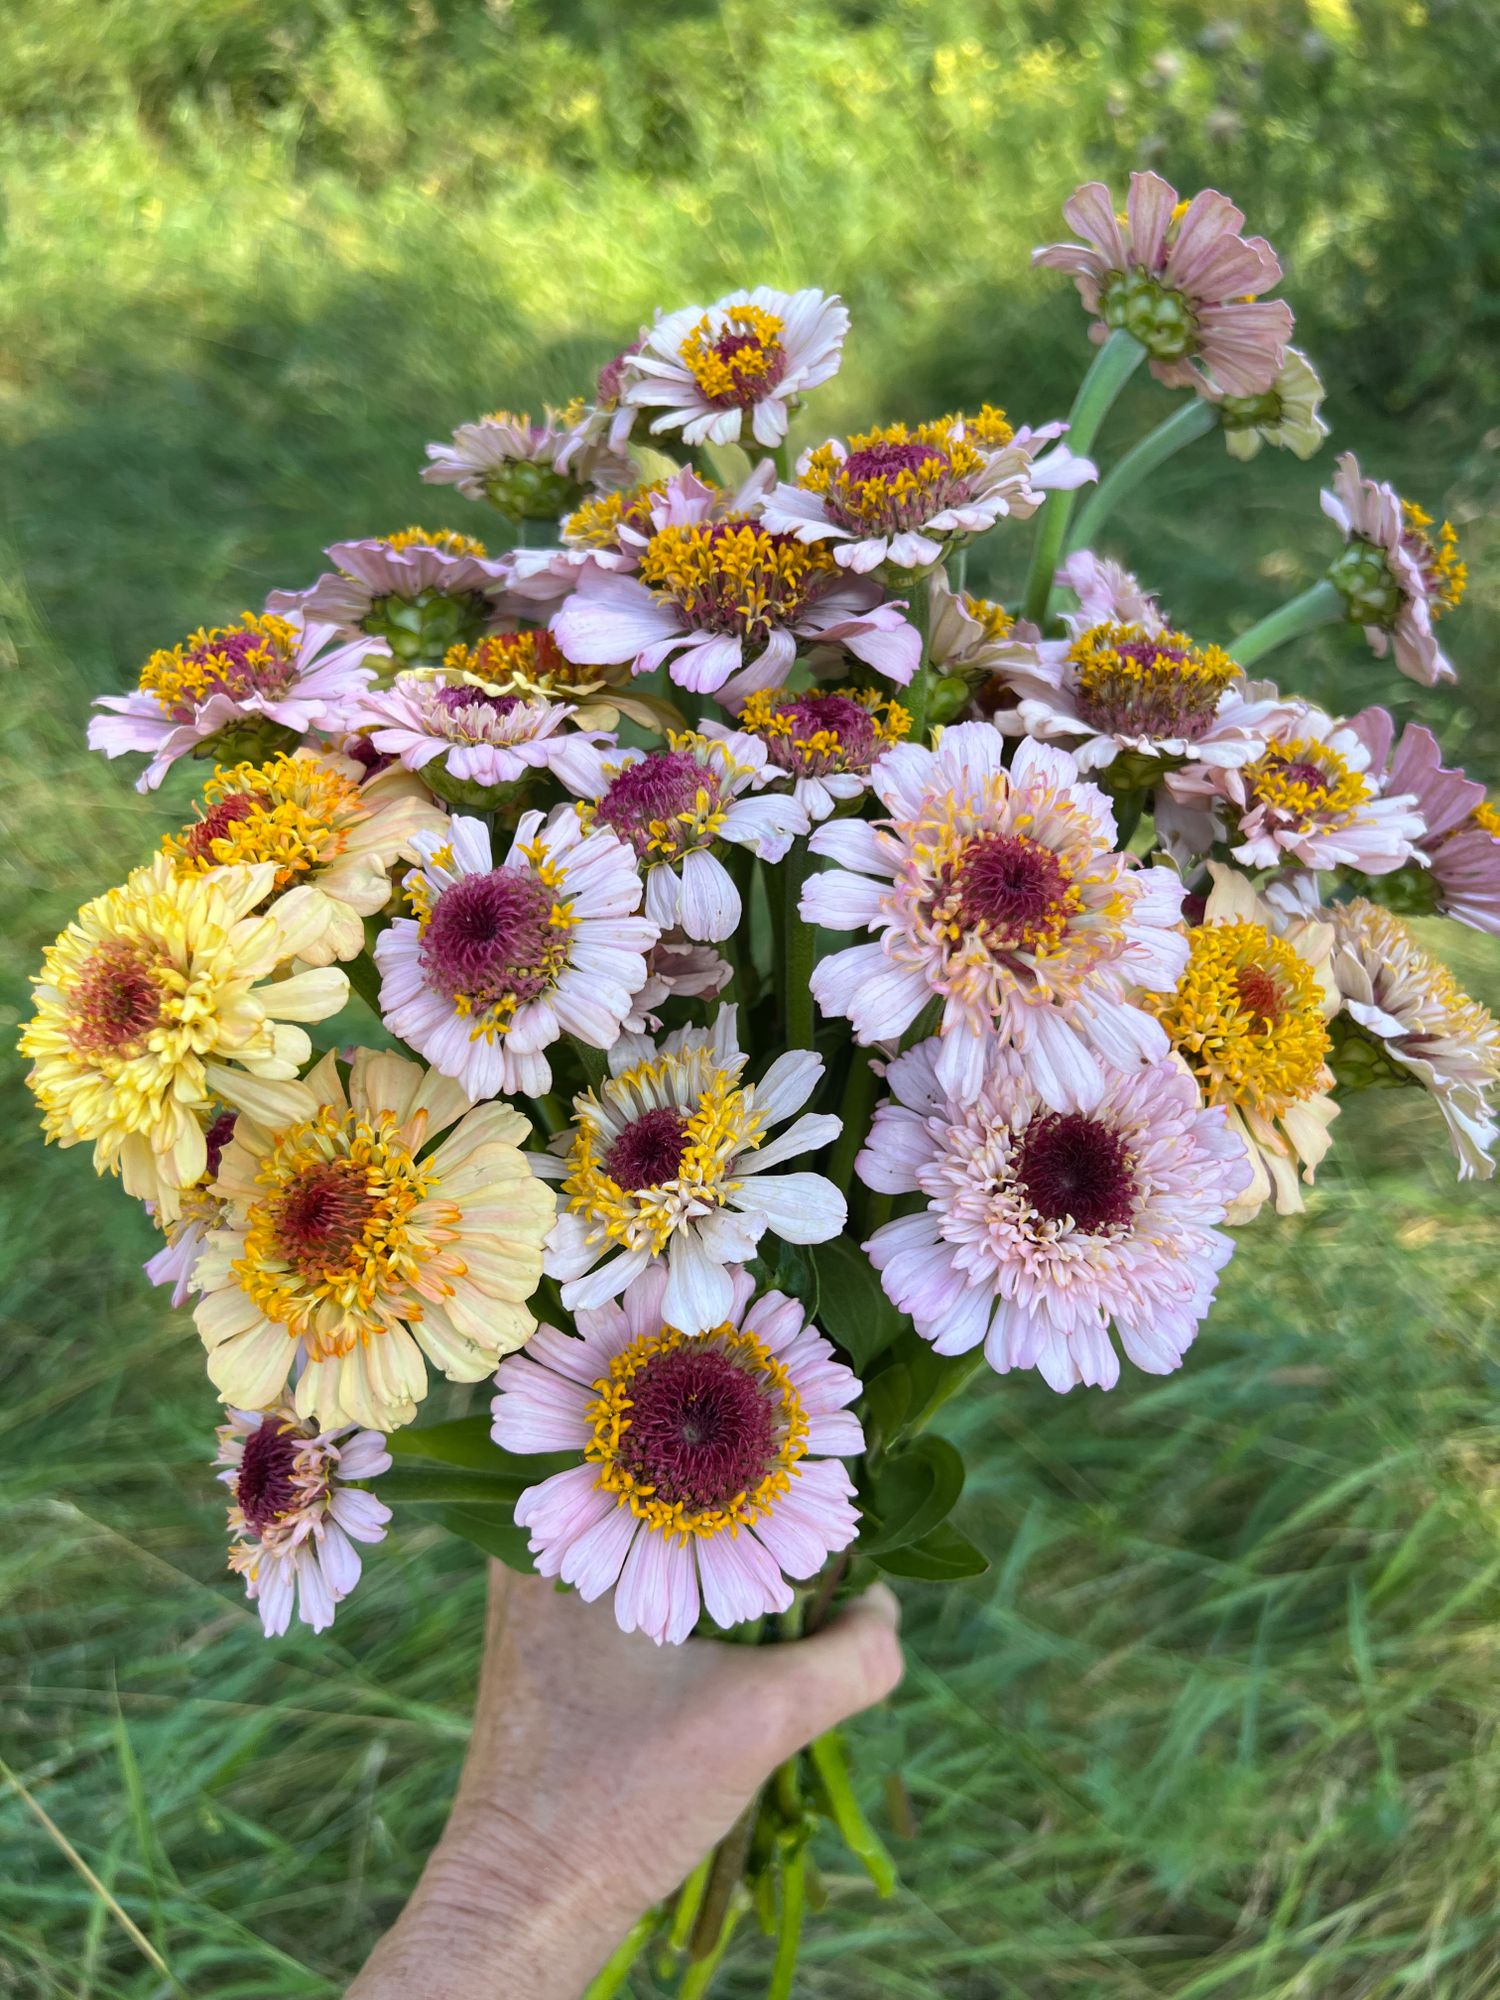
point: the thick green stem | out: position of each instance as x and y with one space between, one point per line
1113 366
689 1902
364 977
609 1980
1194 420
700 1975
1322 604
855 1110
1128 809
801 950
918 696
793 1902
715 1913
827 1754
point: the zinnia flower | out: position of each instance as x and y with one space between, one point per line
529 665
421 591
708 1464
199 1210
501 960
1001 894
1461 830
676 968
669 1160
677 808
752 354
296 1516
467 743
907 497
1044 1228
1397 578
825 739
351 1241
1308 797
315 817
234 691
1285 415
149 996
1410 1005
1250 1018
531 472
1182 279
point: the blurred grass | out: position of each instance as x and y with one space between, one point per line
1221 1724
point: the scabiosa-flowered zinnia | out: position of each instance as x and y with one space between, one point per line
1460 840
1250 1018
529 471
1001 894
198 1210
678 807
351 1243
420 590
749 356
825 740
1397 577
708 1466
159 997
669 1160
1285 415
472 747
234 691
501 959
1043 1228
1181 278
530 665
295 1515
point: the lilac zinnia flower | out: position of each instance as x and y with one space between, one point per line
1461 841
1397 579
1044 1227
529 470
422 591
477 740
708 1464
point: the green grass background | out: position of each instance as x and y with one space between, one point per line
1221 1723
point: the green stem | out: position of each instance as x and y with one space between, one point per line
591 1061
1321 604
364 977
957 567
740 863
918 696
793 1902
715 1916
1128 809
1194 420
700 1976
536 534
801 950
1112 367
611 1976
689 1901
855 1110
827 1754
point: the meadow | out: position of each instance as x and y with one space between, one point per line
1220 1724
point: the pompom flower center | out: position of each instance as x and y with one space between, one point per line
254 657
611 376
664 804
649 1151
739 360
1077 1168
598 522
321 1215
1014 889
491 943
697 1436
290 810
116 1002
1305 779
816 735
523 663
446 540
1247 1017
892 479
734 577
1130 683
1445 576
266 1486
460 700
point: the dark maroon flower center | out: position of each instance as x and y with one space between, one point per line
321 1217
649 1151
890 460
215 1139
755 382
363 751
198 840
264 1486
1260 996
1315 779
241 663
115 1004
1073 1165
454 700
702 1428
612 374
646 796
490 938
1012 885
826 732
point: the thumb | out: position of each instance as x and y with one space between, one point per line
819 1682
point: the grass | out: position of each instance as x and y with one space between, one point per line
1220 1724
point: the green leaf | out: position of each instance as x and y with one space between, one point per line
467 1442
884 1403
852 1309
911 1493
450 1485
943 1556
492 1529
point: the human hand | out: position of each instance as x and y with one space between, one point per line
601 1769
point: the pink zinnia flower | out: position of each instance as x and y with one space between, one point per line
1182 279
709 1464
463 739
1461 843
750 355
1395 576
241 691
531 471
825 740
201 1210
296 1515
676 968
421 591
678 807
501 960
1001 894
1044 1228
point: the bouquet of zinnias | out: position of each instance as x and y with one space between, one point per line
793 982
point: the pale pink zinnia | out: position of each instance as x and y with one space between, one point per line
1396 576
463 739
1001 894
421 590
1043 1228
1181 278
708 1468
296 1514
1461 841
503 958
532 471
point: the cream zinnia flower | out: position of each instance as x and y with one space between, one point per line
348 1243
146 1000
